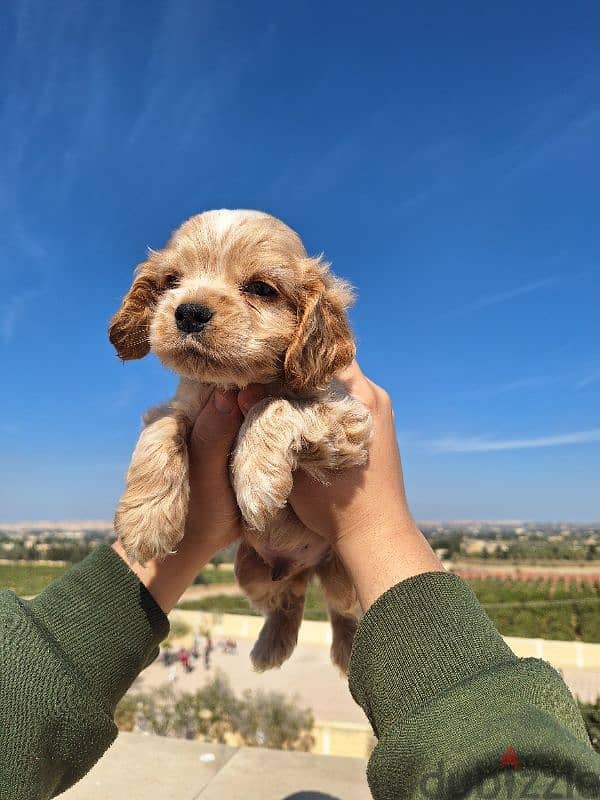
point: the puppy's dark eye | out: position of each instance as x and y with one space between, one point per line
171 280
260 289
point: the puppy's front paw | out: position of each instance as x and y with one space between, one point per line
262 487
148 528
150 517
345 443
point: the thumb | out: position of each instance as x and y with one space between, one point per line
215 429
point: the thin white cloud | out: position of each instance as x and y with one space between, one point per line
587 380
522 383
485 301
510 294
11 312
483 444
203 92
566 137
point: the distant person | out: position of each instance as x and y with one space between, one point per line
196 646
230 646
167 656
184 659
455 711
208 648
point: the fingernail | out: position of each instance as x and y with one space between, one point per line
224 401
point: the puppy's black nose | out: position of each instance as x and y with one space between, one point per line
192 317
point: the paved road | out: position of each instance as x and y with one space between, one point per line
308 674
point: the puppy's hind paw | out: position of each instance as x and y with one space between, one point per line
344 629
275 643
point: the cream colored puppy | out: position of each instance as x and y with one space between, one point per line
234 299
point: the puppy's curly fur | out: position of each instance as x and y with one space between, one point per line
277 317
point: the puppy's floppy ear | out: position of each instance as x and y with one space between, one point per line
323 342
129 329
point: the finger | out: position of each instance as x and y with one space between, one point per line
350 372
351 376
215 429
250 396
356 383
304 484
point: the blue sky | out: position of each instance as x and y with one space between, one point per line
445 158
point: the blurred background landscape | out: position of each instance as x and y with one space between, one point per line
539 583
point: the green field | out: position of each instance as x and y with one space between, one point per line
238 604
536 609
532 609
28 579
211 576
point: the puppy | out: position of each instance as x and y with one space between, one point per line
234 299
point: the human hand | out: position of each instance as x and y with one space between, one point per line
363 511
213 519
362 498
213 515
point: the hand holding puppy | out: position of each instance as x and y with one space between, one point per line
363 510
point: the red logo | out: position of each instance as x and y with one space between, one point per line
509 758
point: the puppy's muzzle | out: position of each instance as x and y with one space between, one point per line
192 317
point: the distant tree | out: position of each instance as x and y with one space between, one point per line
214 713
32 552
18 552
452 543
269 719
72 552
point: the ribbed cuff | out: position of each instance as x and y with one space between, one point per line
418 639
104 620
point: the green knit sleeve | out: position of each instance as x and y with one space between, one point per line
455 711
66 658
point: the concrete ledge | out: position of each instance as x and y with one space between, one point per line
138 767
244 626
559 653
347 739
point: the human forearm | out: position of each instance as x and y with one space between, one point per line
395 549
167 579
446 698
68 656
